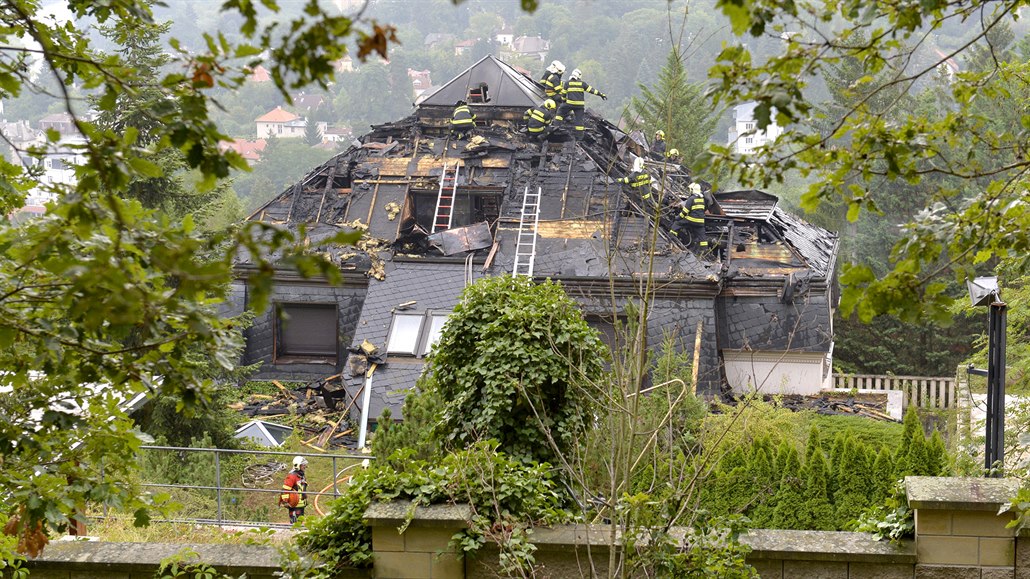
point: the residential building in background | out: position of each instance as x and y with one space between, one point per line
744 136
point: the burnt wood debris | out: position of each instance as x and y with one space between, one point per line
438 213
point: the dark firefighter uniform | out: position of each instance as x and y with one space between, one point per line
462 120
639 181
538 119
574 92
691 220
552 84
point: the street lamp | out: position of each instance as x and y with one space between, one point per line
984 291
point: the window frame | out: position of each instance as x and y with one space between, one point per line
424 340
280 353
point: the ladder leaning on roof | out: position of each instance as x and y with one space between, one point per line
445 199
525 248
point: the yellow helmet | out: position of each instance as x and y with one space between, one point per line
549 104
674 152
659 134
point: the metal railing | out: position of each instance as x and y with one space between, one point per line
922 391
235 505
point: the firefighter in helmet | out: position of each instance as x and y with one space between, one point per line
294 495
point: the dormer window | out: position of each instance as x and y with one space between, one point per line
479 93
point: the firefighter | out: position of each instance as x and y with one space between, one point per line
539 119
462 120
639 180
552 80
573 109
658 146
691 221
294 495
673 156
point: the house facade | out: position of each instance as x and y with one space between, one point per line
744 136
281 124
439 214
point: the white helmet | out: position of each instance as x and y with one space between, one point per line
556 67
638 164
576 74
299 461
694 188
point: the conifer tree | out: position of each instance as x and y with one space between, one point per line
917 461
813 443
678 107
882 479
839 442
852 494
818 511
937 455
789 499
765 480
912 428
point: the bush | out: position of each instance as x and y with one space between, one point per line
506 496
514 362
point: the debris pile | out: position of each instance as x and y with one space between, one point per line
318 411
872 406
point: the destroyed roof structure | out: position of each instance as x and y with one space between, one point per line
438 214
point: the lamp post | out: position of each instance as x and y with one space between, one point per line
984 291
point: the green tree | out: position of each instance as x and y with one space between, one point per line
852 495
817 511
790 497
678 107
312 134
513 361
882 478
102 299
981 167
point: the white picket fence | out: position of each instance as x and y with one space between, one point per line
924 392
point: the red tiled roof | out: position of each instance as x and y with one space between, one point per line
277 115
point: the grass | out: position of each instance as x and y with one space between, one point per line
121 530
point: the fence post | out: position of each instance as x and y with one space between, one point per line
218 485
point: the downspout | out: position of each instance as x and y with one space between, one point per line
366 398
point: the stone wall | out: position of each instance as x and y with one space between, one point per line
960 534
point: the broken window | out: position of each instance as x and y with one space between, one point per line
479 93
470 206
415 334
306 333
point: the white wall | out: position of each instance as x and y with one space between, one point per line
777 372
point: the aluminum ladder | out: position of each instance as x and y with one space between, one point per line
444 213
525 248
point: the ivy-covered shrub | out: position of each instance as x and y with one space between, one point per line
505 494
514 362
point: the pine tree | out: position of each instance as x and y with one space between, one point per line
140 107
818 511
917 461
882 479
789 499
852 494
813 443
765 479
937 455
912 428
836 452
678 107
312 135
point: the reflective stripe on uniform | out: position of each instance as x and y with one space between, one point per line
463 116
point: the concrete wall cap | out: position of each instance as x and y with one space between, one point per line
826 546
395 513
959 493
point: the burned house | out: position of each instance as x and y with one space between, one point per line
439 213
